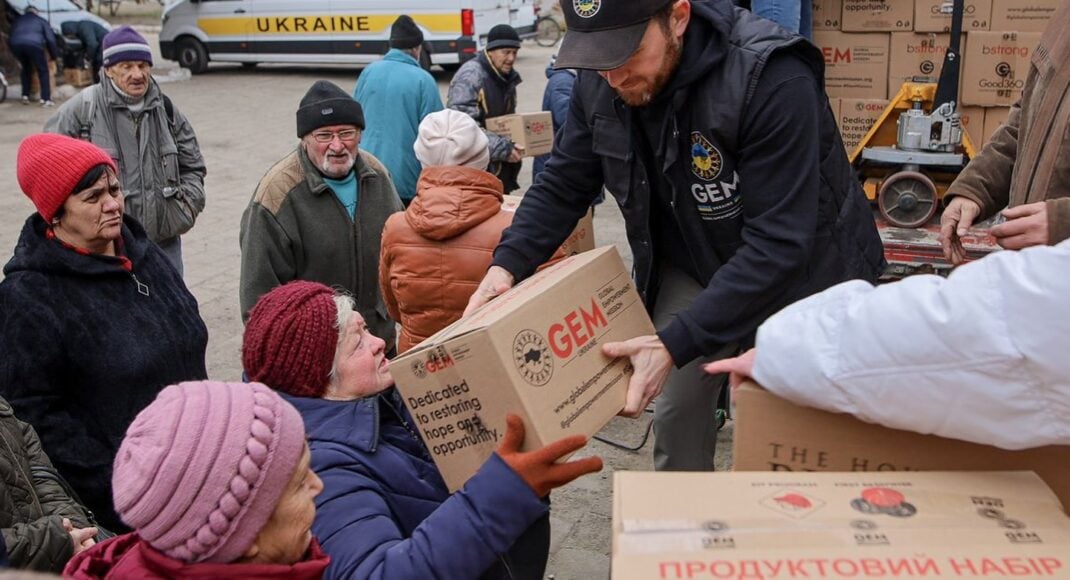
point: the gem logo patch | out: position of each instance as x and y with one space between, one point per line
586 8
706 160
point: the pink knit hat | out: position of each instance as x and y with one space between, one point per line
49 166
203 467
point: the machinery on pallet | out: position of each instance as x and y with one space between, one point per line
911 155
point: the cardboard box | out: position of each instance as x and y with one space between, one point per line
1022 15
532 131
856 65
976 15
78 77
855 118
836 525
534 351
826 14
994 117
773 434
580 240
877 16
915 55
995 67
973 123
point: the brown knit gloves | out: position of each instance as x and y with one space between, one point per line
539 468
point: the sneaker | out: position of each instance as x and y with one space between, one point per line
25 100
47 104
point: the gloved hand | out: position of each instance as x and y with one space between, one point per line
539 468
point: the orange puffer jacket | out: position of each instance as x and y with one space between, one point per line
435 253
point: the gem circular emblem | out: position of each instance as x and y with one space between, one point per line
419 369
586 8
532 357
705 158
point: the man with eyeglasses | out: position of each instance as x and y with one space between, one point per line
318 214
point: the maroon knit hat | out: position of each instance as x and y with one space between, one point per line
291 338
49 166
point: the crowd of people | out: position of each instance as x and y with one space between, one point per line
122 459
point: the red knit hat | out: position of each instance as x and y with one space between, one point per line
49 166
291 338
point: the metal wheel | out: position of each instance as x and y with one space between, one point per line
907 199
547 31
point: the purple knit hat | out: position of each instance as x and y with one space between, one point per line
203 467
124 43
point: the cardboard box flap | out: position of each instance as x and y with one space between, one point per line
507 303
786 512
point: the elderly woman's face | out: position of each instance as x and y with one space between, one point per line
361 368
93 218
285 537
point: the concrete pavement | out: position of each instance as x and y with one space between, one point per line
244 121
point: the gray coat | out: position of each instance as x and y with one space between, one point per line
32 508
160 164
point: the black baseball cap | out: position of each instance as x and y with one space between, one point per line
604 34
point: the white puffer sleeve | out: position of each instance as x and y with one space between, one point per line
982 356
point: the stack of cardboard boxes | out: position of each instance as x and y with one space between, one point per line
872 46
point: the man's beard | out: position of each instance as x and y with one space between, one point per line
325 165
673 50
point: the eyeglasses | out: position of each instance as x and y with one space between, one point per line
328 136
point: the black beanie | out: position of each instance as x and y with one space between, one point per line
405 34
502 36
325 104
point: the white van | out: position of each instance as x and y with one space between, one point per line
329 31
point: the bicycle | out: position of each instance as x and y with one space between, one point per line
547 31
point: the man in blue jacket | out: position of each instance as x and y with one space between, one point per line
712 129
32 43
396 94
555 98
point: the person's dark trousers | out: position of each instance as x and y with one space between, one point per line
527 558
31 57
97 62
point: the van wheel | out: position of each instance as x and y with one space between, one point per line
451 67
192 55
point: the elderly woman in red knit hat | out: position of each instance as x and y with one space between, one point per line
95 319
215 480
385 511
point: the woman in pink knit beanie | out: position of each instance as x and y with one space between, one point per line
215 480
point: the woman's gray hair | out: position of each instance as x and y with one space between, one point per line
344 306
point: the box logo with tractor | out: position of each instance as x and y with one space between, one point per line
883 500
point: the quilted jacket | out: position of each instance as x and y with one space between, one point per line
32 507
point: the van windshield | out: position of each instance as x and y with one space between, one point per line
45 5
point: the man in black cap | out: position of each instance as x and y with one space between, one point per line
712 129
397 94
318 214
485 87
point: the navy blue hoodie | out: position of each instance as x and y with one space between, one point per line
735 173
